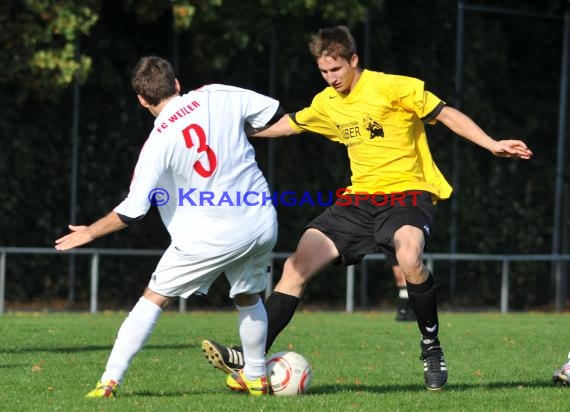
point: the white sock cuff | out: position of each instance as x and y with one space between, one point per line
252 307
149 305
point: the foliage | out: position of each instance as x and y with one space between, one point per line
39 43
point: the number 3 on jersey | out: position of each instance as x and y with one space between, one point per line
202 147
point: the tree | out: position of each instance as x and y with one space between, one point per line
39 45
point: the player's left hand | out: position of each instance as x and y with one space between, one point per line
79 235
511 148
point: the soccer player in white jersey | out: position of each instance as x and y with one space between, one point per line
199 169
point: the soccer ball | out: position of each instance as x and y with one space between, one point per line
288 373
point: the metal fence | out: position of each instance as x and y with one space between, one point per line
505 261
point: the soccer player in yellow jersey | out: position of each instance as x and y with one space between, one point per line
380 119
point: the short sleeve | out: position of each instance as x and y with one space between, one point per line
412 96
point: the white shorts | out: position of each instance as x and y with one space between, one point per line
182 274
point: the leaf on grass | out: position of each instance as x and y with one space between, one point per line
508 340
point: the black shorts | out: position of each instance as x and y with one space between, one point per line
390 254
359 227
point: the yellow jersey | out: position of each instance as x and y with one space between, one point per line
381 122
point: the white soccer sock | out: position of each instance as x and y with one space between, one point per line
132 335
252 325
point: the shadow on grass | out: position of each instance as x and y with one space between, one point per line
329 389
167 394
15 365
379 389
93 348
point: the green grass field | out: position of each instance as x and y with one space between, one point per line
362 362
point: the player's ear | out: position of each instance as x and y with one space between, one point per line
177 85
143 102
354 61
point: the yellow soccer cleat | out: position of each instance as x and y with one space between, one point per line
104 390
237 381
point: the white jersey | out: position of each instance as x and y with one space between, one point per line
201 169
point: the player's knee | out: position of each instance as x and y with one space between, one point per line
410 262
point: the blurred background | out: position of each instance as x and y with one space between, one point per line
71 129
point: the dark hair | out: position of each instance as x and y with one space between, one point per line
153 78
334 42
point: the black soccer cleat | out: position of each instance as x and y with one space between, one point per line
228 360
435 368
405 314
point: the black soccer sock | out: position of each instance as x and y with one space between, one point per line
423 301
280 309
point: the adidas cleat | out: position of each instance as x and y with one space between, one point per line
237 381
225 359
104 390
435 367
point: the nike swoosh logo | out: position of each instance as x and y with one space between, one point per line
432 329
332 97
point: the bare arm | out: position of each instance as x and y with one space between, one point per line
462 125
81 235
277 129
